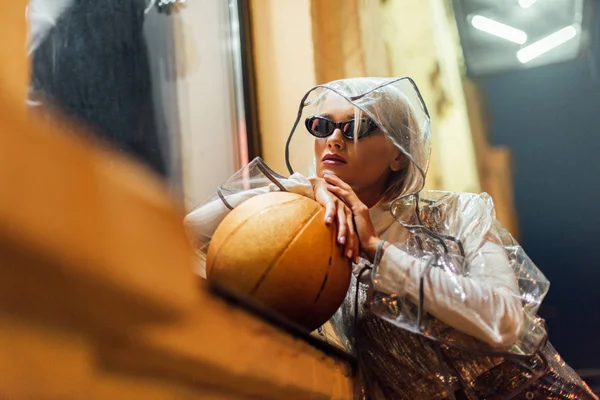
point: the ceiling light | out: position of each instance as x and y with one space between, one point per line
546 44
498 29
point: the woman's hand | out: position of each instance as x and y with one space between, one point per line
367 235
336 210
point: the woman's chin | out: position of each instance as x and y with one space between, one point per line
336 170
333 166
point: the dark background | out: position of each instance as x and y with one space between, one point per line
550 118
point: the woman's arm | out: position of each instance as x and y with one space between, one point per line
485 303
202 222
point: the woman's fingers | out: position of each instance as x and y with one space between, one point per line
342 233
342 190
340 201
348 249
330 211
352 248
346 234
339 192
349 236
326 199
332 179
359 230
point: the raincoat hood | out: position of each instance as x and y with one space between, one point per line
394 104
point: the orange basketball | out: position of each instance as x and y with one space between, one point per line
276 248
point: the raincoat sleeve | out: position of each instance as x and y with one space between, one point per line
254 179
481 297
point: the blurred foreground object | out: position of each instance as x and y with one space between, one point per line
97 295
276 248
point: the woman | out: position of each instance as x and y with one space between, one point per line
443 302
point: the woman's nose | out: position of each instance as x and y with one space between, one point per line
336 139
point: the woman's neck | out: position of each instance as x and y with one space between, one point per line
370 195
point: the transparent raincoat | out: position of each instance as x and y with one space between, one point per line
450 309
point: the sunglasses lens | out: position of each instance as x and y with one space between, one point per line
365 127
320 127
348 129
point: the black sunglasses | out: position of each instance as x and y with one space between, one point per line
322 127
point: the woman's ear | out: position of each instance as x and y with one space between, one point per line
400 162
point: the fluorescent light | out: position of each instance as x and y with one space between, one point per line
498 29
546 44
526 3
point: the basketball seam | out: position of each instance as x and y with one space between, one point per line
333 247
304 226
238 227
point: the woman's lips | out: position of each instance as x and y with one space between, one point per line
333 159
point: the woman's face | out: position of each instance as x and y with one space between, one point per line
361 164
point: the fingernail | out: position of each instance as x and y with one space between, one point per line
349 254
328 220
342 239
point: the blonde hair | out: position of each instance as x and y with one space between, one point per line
407 126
